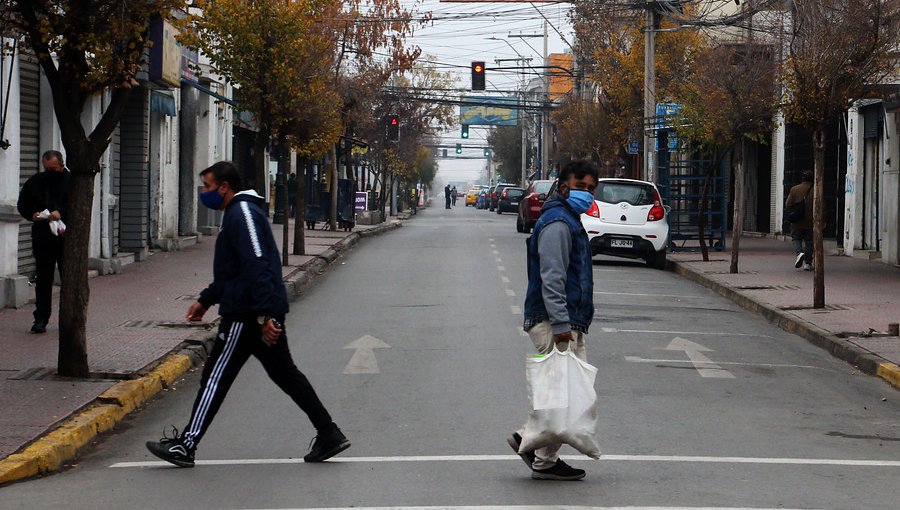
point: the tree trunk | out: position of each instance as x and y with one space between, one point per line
701 218
332 223
75 292
819 219
284 154
737 228
261 142
300 218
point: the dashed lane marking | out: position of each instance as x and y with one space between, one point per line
515 310
510 458
501 268
496 252
504 279
510 292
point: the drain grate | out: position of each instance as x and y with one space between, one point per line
139 324
34 374
163 324
768 287
828 308
187 297
729 272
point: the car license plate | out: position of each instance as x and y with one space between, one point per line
621 243
513 203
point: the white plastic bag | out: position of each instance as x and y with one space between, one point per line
563 401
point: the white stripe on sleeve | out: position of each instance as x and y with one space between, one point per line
251 228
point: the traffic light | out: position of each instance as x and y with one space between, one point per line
477 75
393 127
465 131
487 153
459 148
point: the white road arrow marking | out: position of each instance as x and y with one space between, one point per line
363 360
705 366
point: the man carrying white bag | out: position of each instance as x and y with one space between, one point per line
559 308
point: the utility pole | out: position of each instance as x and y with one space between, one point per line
545 113
649 92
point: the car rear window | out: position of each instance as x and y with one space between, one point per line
514 193
543 187
630 193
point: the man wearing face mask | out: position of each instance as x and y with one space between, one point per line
44 199
248 287
559 302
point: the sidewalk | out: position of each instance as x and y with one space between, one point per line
862 297
138 342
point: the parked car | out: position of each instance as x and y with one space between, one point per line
495 194
472 196
628 220
531 203
482 200
509 200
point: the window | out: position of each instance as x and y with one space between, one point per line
630 193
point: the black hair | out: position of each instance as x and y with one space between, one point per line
225 171
48 155
579 169
806 176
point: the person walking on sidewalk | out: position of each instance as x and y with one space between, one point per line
252 299
799 197
447 196
559 302
44 199
453 194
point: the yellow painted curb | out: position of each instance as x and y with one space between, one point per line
50 451
890 372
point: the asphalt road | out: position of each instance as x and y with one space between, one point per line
768 421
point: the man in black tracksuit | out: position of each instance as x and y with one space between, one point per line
47 190
248 287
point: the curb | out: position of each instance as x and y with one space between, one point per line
866 361
52 450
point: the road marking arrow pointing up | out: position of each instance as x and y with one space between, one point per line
705 366
363 360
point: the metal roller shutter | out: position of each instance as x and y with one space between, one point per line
30 112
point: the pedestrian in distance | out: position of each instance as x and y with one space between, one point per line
447 196
559 305
43 201
453 196
248 287
292 193
799 211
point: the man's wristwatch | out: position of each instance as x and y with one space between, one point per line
262 319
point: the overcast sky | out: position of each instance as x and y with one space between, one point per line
460 34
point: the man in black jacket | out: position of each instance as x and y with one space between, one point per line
45 191
248 287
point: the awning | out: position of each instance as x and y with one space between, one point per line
206 90
163 103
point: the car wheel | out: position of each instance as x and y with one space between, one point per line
520 228
658 260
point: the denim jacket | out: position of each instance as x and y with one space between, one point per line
579 285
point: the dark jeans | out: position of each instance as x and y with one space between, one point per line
236 342
803 243
48 255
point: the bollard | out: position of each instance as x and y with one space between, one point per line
894 329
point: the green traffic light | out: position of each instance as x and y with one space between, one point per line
458 148
465 131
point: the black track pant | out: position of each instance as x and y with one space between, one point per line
48 255
236 342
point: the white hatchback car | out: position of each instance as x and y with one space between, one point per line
628 219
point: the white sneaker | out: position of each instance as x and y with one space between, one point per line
799 261
807 267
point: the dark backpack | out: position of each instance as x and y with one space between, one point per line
797 211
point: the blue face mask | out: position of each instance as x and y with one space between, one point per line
580 200
212 199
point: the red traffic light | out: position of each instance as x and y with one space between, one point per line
394 121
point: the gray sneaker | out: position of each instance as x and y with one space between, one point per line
807 267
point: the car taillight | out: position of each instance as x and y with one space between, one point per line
656 212
594 211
